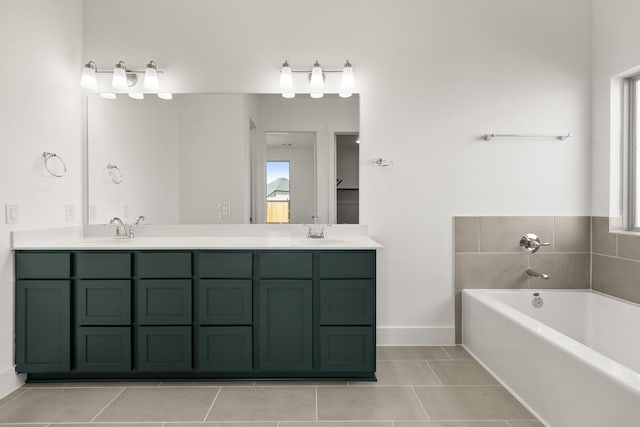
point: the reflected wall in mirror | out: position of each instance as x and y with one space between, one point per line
202 158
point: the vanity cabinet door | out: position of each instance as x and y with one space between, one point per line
348 265
285 327
43 326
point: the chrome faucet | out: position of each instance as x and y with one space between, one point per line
315 231
121 229
533 273
141 220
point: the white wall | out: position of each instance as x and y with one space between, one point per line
433 77
615 53
141 137
40 110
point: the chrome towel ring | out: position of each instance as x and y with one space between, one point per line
114 173
51 168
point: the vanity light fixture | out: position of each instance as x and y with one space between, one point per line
88 79
286 81
119 80
151 81
123 78
316 80
348 82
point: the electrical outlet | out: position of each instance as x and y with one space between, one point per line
12 214
69 213
93 212
224 210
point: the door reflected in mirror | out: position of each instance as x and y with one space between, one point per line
201 158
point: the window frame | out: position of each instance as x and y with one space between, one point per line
630 138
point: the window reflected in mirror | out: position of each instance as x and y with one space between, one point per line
278 196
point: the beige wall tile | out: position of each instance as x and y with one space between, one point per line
629 246
458 317
501 271
617 277
570 271
603 241
466 232
572 234
503 233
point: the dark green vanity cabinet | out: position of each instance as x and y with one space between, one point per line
195 314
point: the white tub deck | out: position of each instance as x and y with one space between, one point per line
573 362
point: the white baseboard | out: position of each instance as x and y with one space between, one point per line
10 381
415 336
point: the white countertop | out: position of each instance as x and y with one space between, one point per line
77 239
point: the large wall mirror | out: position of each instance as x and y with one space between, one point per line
208 158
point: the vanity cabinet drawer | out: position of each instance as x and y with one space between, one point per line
101 265
347 302
347 265
103 302
164 348
347 348
38 265
163 302
225 348
286 265
103 349
157 265
223 265
225 302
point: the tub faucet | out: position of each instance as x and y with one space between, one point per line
121 229
533 273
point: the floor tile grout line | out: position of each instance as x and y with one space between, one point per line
420 402
434 372
14 398
107 405
212 403
446 352
316 404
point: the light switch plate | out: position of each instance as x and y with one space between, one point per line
224 210
12 214
93 212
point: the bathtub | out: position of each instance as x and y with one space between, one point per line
574 362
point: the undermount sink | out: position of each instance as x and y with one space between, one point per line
316 242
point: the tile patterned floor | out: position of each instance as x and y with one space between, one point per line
417 387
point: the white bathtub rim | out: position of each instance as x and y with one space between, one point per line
603 364
506 386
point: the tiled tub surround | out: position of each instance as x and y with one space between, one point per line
417 387
488 256
616 261
568 359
